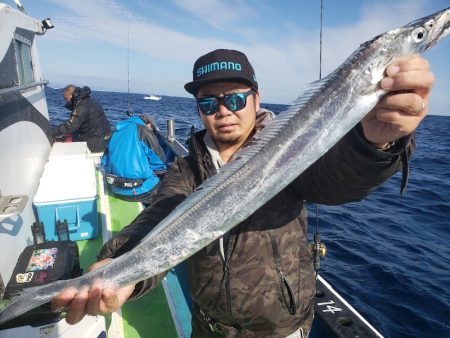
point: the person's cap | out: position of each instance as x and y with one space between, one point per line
221 65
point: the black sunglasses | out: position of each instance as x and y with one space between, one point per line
233 102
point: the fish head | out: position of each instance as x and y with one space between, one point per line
413 38
422 34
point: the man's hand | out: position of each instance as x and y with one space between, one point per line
408 82
93 301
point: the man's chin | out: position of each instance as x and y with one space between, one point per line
227 138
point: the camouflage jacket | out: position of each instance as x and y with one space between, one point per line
263 282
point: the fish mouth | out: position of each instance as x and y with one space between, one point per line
446 18
447 24
444 21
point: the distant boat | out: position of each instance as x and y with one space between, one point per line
152 97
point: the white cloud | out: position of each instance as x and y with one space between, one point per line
218 14
106 21
282 66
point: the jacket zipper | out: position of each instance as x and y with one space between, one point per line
225 253
226 271
227 288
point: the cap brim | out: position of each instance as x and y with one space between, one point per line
194 86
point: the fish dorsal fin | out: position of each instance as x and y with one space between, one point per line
274 127
218 181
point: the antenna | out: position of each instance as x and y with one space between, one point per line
129 111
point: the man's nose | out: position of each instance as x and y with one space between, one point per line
222 109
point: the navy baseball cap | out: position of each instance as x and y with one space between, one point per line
221 65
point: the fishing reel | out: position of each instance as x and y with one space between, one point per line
318 249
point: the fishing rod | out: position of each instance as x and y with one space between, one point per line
317 247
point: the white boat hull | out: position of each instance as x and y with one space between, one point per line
25 134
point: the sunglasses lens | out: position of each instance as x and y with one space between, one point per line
207 105
234 102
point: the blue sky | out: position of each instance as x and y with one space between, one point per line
88 45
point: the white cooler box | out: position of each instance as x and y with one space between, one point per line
69 151
67 191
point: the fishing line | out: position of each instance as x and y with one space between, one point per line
129 111
320 43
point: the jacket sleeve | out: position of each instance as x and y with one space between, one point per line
352 169
78 116
173 190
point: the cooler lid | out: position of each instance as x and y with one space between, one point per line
62 150
67 180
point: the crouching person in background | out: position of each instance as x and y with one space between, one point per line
133 159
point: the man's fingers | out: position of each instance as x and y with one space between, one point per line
410 103
408 82
63 300
416 79
408 64
110 300
93 304
410 73
76 309
389 116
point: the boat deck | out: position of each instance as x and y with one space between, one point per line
150 313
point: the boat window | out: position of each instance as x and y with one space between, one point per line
23 60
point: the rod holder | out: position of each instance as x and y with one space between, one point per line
171 130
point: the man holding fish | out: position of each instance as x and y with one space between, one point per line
258 280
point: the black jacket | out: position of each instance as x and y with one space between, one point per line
87 122
266 287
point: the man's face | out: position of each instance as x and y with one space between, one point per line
225 126
68 95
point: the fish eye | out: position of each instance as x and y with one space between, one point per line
419 34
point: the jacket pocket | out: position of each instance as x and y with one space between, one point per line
287 294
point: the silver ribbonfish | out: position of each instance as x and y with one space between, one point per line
321 116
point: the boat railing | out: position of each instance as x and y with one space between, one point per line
335 317
13 89
170 130
170 139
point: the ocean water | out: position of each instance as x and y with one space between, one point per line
388 255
